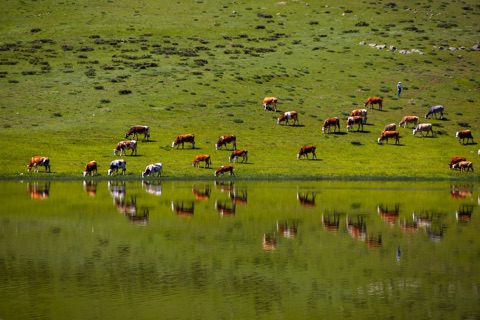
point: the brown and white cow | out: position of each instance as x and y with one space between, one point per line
136 130
270 102
334 121
223 140
408 119
360 113
390 127
151 169
289 115
223 169
423 127
237 154
37 161
455 160
374 100
202 158
305 150
124 145
354 120
463 166
117 164
181 139
389 135
464 134
90 168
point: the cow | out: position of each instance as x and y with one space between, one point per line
354 120
270 102
223 140
334 121
408 119
305 150
202 157
423 127
463 166
390 127
90 168
455 160
238 153
151 169
117 164
123 145
464 134
360 113
374 100
289 115
37 161
136 130
434 110
221 170
181 139
389 135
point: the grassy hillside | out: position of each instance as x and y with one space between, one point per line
75 76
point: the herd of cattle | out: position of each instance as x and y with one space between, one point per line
357 117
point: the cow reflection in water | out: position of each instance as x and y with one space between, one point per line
307 199
435 232
130 211
152 186
409 226
423 220
331 222
269 242
288 228
225 208
464 213
238 197
139 218
461 191
90 188
39 191
117 189
183 210
224 186
389 216
358 231
201 194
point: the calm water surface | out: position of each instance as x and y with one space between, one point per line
243 250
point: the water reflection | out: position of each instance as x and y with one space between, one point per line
39 190
201 193
225 208
288 228
461 191
183 209
389 216
269 242
90 187
307 199
464 213
331 222
152 187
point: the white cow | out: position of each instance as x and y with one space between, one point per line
423 127
151 169
117 164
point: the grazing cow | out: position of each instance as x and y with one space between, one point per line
354 120
124 145
305 150
423 127
374 100
434 110
37 161
221 170
464 134
90 168
408 119
389 135
270 102
202 157
455 160
117 164
151 169
390 127
223 140
238 153
360 113
136 130
334 121
463 166
289 115
181 139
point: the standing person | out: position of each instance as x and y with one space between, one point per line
399 89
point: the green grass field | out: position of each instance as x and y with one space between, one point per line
75 76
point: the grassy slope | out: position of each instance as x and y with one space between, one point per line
306 55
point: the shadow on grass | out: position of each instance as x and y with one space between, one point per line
310 159
339 133
469 143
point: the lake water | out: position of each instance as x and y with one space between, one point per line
239 250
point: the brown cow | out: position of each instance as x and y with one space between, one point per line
223 140
408 119
90 168
389 135
360 113
270 102
390 127
463 166
37 161
289 115
334 121
221 170
135 130
455 160
305 150
238 153
374 100
181 139
202 157
464 134
354 120
124 145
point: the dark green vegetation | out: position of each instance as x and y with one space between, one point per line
75 75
